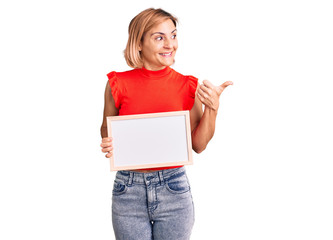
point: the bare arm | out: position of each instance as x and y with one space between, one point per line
109 110
203 124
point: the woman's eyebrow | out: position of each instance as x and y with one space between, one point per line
161 33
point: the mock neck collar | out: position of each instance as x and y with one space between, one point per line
158 73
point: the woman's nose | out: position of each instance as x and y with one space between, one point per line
167 43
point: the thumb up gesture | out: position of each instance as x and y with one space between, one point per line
209 94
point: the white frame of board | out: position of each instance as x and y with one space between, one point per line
118 128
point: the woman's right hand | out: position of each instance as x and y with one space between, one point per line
107 146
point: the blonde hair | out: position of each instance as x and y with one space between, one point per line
139 25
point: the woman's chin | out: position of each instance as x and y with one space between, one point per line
169 63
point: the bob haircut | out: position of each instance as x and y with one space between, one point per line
139 25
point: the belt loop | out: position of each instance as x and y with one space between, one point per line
130 180
160 175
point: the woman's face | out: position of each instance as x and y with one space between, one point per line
159 46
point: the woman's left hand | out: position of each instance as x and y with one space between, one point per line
209 94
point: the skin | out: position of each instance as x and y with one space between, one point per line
162 39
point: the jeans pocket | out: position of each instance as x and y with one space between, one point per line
119 187
178 184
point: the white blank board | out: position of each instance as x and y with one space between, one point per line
150 140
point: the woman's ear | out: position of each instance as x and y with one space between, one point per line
140 47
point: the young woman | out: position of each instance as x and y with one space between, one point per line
156 203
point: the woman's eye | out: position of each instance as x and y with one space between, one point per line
174 36
159 38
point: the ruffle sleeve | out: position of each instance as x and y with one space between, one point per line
192 83
115 88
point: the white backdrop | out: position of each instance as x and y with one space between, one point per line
267 173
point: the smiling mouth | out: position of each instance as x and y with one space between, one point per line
166 54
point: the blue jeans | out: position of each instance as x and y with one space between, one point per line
156 205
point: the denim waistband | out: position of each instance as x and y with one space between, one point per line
154 177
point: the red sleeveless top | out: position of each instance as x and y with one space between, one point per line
141 91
